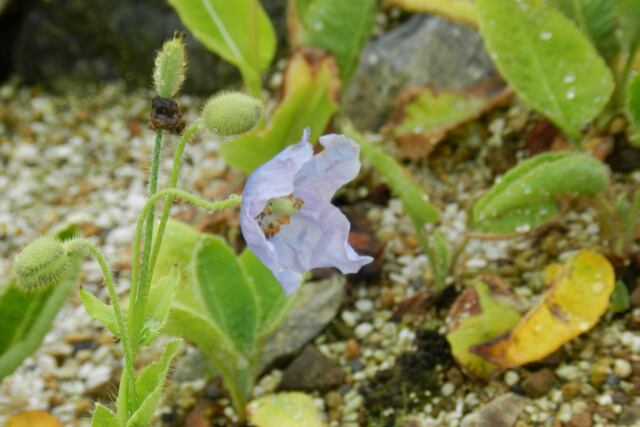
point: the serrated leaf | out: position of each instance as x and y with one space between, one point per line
526 197
103 417
272 302
462 11
150 384
341 27
100 311
484 317
239 31
572 306
547 60
403 186
596 19
309 106
25 319
226 292
633 109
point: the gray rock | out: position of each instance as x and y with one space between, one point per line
502 411
630 416
312 370
315 306
425 50
193 366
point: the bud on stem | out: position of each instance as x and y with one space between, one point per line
231 113
169 71
41 265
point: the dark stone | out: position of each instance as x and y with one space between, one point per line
538 383
312 370
65 43
425 50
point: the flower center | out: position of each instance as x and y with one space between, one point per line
278 212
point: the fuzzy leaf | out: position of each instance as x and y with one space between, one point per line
103 417
293 409
572 306
341 27
271 299
596 19
226 292
150 384
462 11
494 318
176 251
309 106
547 60
239 31
25 319
160 297
526 196
100 311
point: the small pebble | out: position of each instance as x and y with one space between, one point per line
363 330
622 368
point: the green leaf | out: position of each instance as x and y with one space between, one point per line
226 292
103 417
341 27
292 409
176 251
628 12
619 298
596 19
462 11
439 258
150 384
633 109
526 196
160 296
494 318
239 31
272 301
25 319
403 186
100 311
309 106
547 60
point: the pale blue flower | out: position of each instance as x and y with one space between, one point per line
315 234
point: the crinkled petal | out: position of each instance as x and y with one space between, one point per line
330 169
316 237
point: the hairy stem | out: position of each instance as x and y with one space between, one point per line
82 244
175 173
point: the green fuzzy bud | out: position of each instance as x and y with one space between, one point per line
169 71
231 113
42 264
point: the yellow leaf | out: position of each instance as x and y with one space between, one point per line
35 418
462 11
571 306
284 410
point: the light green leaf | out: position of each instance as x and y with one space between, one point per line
494 318
526 197
439 258
462 11
239 31
633 109
160 297
272 301
309 106
103 417
596 19
25 319
293 409
226 292
547 60
628 18
100 311
150 384
176 251
403 186
341 27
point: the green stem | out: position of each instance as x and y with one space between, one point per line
82 244
173 182
621 89
140 291
169 193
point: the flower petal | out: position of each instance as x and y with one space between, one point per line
330 169
316 237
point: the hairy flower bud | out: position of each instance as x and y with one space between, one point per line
169 71
231 113
40 265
